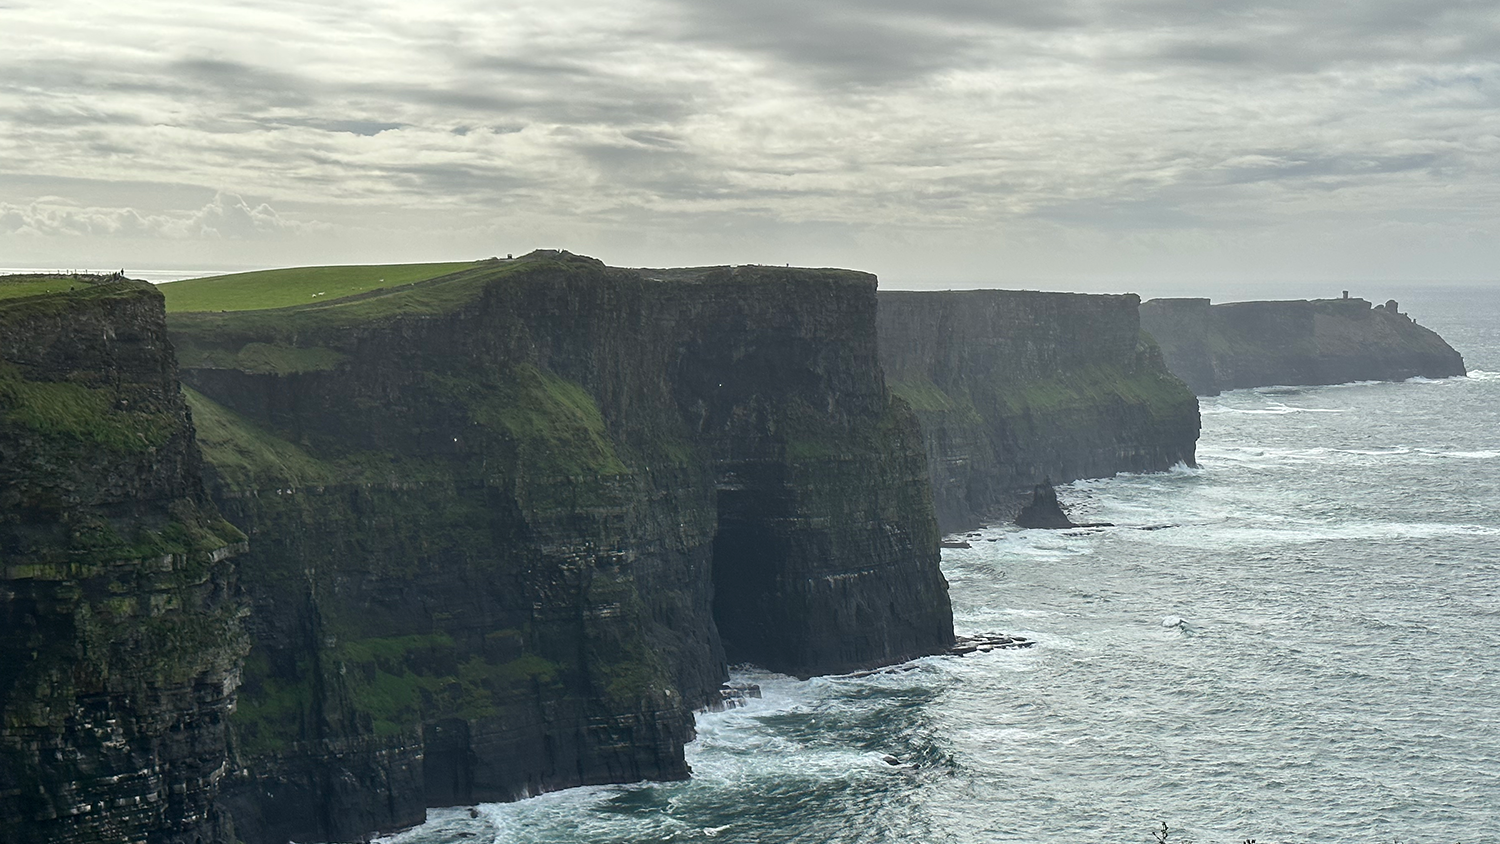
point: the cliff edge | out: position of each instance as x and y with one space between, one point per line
1015 387
1320 341
120 638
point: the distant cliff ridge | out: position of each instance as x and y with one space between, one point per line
120 639
1016 387
1319 341
508 525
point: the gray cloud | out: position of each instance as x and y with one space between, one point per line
1308 167
864 44
999 120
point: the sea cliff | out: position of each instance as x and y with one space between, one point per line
507 526
492 529
1319 341
1013 388
120 638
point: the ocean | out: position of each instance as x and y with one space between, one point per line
1296 641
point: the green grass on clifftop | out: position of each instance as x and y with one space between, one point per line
284 288
18 286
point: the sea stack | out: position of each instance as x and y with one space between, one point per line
1044 511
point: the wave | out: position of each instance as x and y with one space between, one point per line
1276 409
1481 375
1465 455
1208 454
1280 531
1270 454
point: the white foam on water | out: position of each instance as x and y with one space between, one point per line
1276 409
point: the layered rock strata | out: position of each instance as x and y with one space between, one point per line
1320 341
1015 387
120 638
507 526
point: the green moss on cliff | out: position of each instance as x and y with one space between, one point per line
926 397
86 414
1093 387
555 424
272 711
248 456
399 681
273 358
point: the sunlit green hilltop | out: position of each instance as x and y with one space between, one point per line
266 289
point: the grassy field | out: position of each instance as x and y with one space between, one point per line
18 286
266 289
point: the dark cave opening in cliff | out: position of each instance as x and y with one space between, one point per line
745 555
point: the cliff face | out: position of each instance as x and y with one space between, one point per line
507 525
1014 387
119 630
1321 341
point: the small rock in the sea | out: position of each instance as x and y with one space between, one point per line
890 760
986 642
948 543
733 695
1044 511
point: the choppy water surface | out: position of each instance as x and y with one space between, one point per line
1335 564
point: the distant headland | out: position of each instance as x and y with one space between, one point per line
1295 342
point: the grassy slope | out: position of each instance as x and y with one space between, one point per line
17 286
278 324
295 286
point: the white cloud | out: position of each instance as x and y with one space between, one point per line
672 122
228 216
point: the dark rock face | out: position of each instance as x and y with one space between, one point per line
1012 387
1320 341
507 527
120 640
1044 511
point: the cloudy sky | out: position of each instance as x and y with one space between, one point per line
1066 144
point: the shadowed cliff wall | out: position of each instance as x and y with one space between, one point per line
1012 387
1319 341
498 523
119 627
